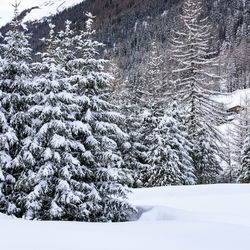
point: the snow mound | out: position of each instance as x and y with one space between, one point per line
220 202
163 213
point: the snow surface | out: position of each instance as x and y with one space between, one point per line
45 8
206 217
238 97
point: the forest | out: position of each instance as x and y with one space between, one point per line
81 123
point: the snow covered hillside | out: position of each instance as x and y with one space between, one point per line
44 8
238 97
207 217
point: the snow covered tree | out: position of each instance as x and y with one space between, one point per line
50 186
245 161
243 142
207 167
138 124
144 122
146 107
152 77
73 166
133 150
102 156
193 79
15 76
230 171
169 153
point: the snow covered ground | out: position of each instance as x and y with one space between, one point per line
238 97
207 217
45 8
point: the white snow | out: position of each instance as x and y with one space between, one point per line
45 8
238 97
206 217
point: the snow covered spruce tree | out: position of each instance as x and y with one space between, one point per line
74 164
133 150
192 83
140 121
50 186
231 171
152 77
15 76
102 157
146 99
244 176
243 142
245 161
169 153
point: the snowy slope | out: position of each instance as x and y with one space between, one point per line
238 97
208 217
45 8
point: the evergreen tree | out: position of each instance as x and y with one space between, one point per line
51 185
245 161
192 85
73 165
207 167
15 75
152 77
133 150
147 109
102 157
142 143
244 135
169 154
230 171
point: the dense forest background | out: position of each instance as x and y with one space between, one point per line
127 28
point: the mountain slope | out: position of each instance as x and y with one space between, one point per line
127 27
39 9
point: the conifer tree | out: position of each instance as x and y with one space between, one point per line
147 108
152 77
133 150
73 172
243 142
15 76
207 167
169 153
102 157
230 171
244 176
193 79
50 184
